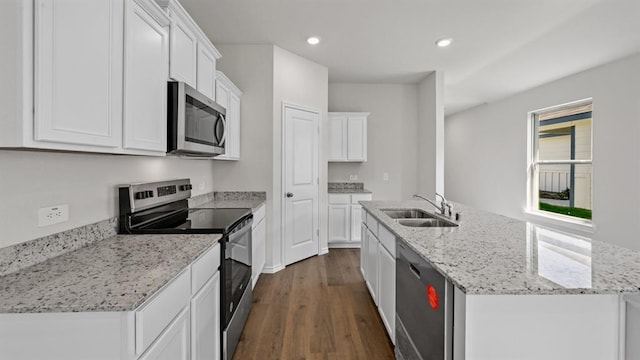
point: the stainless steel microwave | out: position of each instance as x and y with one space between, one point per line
196 124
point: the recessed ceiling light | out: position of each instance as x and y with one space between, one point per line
313 40
444 42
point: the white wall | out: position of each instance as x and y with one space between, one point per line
391 136
301 82
250 67
30 180
267 76
486 148
431 135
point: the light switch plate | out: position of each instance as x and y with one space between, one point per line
53 215
385 176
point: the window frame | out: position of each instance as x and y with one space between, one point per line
533 183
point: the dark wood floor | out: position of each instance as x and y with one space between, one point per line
318 308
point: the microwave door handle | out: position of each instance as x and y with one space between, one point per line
224 130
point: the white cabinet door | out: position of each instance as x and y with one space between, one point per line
184 52
357 138
258 238
356 220
387 291
205 321
206 72
364 251
372 265
233 121
78 72
146 70
339 223
228 95
223 94
632 327
337 138
173 343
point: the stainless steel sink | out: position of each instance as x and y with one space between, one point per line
408 214
417 218
425 223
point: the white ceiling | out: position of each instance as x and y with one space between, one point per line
500 46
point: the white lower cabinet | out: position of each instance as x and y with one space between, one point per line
205 322
387 291
173 344
339 221
372 265
364 251
258 246
179 322
378 265
345 216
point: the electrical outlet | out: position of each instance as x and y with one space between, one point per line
353 177
201 186
53 215
385 176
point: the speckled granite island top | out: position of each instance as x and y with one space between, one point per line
491 254
115 274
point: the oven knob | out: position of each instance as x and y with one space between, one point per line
186 187
148 193
140 195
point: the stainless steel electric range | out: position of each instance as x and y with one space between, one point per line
162 208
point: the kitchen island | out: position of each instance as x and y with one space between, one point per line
521 291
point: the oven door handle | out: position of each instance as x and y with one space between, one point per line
238 234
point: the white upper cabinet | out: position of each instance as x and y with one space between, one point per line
193 56
347 137
78 92
90 76
206 71
184 51
146 69
228 95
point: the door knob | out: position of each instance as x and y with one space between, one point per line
289 194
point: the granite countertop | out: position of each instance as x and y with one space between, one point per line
115 274
349 191
491 254
347 188
243 204
230 199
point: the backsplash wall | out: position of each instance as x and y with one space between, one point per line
30 180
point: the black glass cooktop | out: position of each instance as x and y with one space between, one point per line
189 221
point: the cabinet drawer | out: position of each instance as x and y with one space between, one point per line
387 239
339 198
356 198
173 344
372 224
156 314
204 267
258 215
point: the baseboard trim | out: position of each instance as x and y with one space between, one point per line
323 251
349 245
272 269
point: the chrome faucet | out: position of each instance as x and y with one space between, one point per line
439 207
444 204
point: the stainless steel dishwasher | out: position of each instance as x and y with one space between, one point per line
424 309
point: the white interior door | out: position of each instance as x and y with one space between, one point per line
300 183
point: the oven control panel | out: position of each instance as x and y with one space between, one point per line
142 196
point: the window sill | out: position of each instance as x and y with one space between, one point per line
584 227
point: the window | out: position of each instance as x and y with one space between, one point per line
560 171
